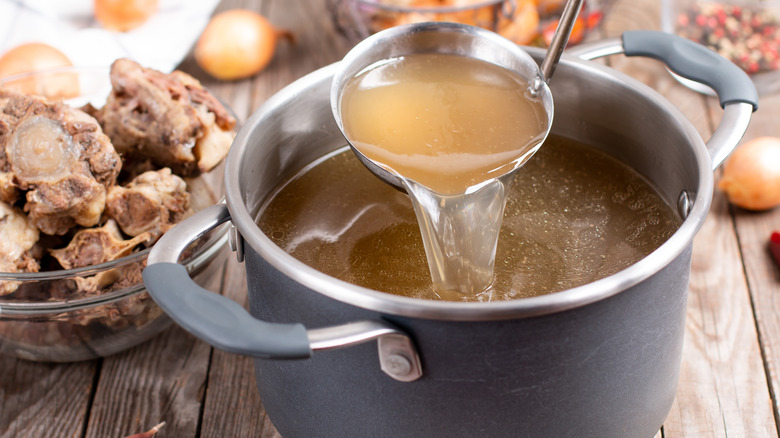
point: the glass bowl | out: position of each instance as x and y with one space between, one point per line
53 316
746 32
525 22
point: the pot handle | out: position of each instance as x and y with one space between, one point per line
736 92
226 325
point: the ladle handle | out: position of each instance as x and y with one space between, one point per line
560 38
736 92
225 324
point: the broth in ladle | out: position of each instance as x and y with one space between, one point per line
453 128
574 215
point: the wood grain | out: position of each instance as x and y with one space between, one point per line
722 389
233 406
763 274
39 400
729 376
316 45
763 277
162 380
722 373
231 378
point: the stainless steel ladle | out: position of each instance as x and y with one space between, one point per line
559 41
457 39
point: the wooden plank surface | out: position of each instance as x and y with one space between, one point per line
763 275
231 381
44 400
723 388
729 374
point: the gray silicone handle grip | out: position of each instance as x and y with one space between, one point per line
695 62
220 321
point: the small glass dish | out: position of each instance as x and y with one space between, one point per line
525 22
50 316
746 32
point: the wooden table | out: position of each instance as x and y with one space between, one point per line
729 372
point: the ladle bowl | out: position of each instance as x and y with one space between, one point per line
432 37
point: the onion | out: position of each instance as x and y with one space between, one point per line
237 44
37 57
751 177
124 15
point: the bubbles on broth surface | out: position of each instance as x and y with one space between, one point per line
574 215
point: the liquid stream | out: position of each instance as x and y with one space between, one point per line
453 129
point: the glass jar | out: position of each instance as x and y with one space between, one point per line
525 22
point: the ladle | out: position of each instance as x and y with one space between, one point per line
558 43
451 38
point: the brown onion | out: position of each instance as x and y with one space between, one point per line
124 15
751 176
37 57
237 44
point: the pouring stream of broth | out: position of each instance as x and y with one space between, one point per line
453 129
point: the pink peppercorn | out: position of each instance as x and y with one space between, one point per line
748 37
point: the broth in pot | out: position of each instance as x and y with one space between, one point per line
574 215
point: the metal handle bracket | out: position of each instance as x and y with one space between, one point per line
227 325
736 91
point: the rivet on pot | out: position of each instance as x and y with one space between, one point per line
398 365
236 243
398 358
684 204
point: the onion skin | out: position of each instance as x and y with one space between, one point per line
237 44
36 57
124 15
751 176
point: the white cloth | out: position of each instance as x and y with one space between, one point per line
69 25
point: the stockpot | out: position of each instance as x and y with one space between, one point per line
597 360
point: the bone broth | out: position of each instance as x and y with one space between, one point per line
566 223
452 128
447 122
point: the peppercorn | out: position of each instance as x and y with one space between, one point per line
774 246
747 37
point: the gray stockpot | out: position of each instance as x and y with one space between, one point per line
598 360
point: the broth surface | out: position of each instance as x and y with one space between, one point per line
574 215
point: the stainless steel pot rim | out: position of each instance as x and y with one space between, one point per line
467 311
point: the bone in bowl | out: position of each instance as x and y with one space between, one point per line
84 298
